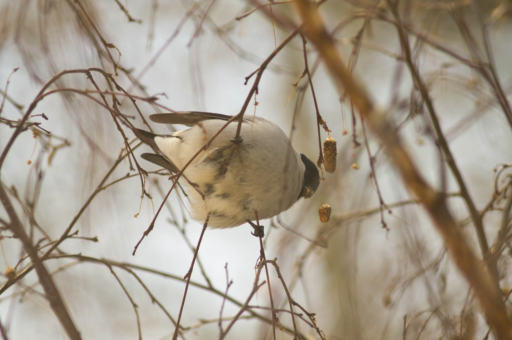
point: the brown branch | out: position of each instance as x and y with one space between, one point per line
51 291
465 260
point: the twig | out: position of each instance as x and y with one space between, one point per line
502 97
134 305
245 306
5 91
187 277
311 317
291 302
500 241
261 6
153 298
168 41
404 332
198 28
228 284
3 331
258 232
463 311
319 120
125 11
31 108
371 160
300 316
87 203
254 88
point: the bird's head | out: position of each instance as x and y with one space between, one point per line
311 178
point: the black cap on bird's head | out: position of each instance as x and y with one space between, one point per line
311 178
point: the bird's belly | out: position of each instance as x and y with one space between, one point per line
230 195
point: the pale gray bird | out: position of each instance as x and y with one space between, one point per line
232 181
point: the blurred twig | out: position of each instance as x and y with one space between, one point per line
474 272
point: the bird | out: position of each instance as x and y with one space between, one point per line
232 180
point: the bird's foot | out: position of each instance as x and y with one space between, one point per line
259 230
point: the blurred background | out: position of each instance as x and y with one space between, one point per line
377 270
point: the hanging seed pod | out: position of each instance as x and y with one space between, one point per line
330 154
10 272
325 213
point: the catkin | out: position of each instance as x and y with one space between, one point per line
330 154
325 213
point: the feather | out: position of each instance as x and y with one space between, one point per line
147 137
188 118
161 161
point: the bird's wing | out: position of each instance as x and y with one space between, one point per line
161 161
188 118
147 137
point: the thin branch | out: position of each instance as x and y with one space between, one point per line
125 11
254 88
198 28
228 284
134 305
187 277
245 306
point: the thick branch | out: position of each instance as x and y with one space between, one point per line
50 289
464 258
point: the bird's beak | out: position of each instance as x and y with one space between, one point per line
306 192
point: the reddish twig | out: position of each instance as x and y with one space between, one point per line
187 277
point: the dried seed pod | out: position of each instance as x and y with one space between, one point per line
355 166
325 213
10 272
330 154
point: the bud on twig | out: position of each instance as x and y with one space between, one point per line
330 154
10 272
